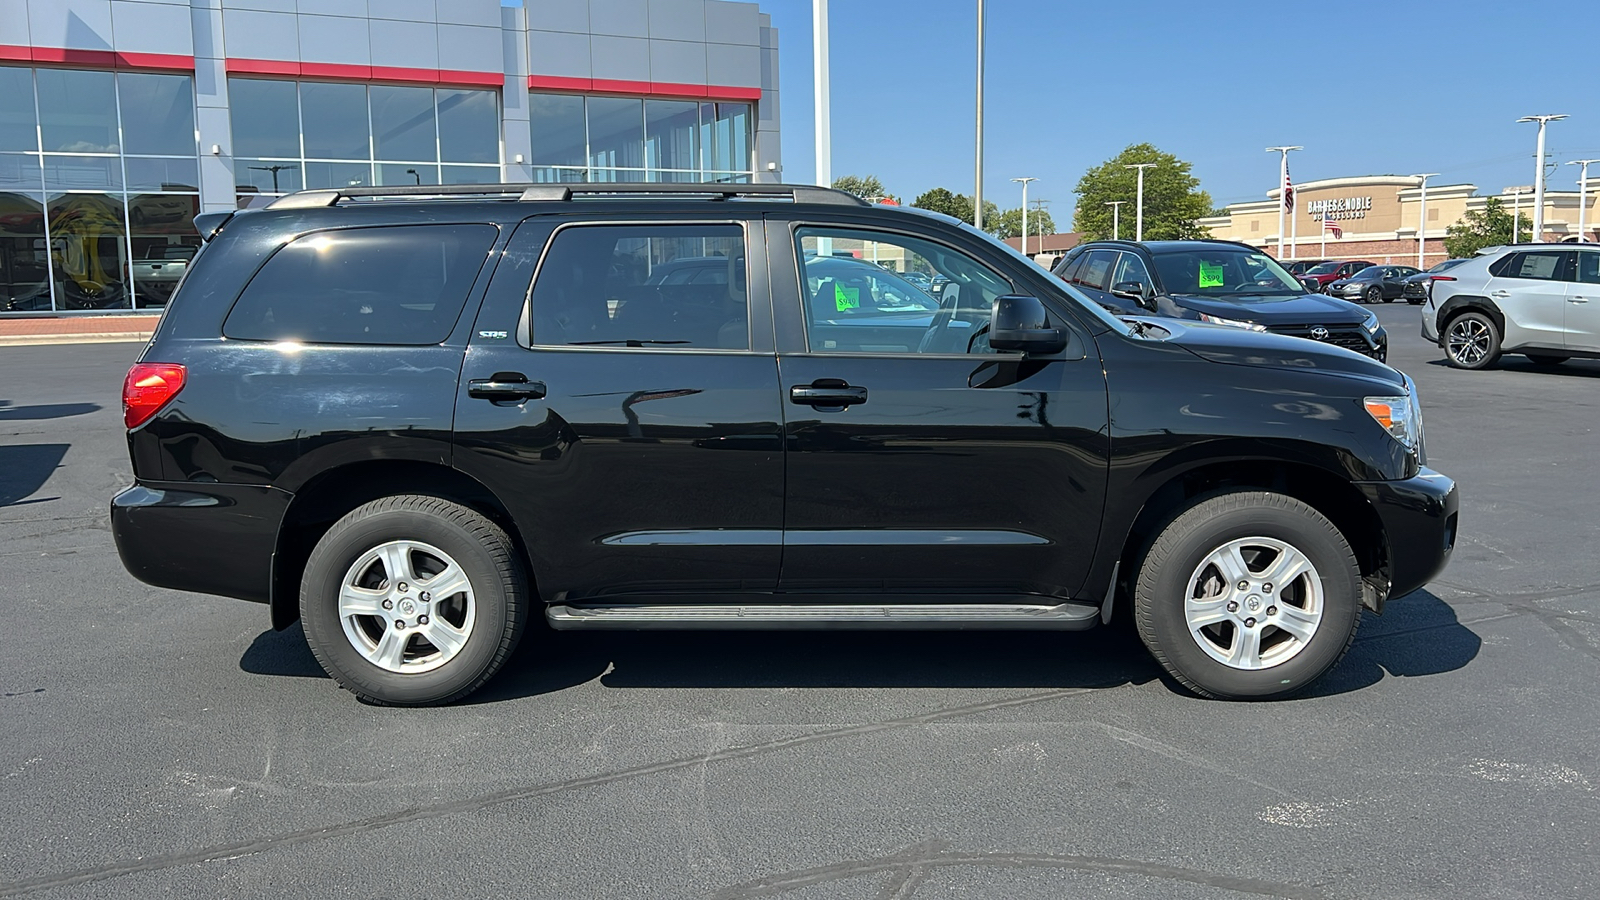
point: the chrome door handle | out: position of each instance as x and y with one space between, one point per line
1501 294
505 386
1577 299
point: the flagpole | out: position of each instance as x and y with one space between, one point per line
1283 190
1324 235
1294 236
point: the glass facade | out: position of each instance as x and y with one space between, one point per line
579 138
298 135
99 184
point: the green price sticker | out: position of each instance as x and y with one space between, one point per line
846 298
1210 276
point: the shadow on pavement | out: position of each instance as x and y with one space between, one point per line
9 413
1576 368
1417 635
24 468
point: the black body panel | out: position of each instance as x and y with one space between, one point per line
207 538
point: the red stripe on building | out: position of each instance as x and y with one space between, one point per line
97 59
347 72
563 84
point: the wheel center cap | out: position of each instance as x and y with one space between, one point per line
1253 603
407 606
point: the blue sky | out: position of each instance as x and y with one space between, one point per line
1370 88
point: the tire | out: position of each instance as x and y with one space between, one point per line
1373 295
1414 302
1471 341
1545 359
1179 578
381 655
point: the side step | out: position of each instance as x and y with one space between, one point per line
712 616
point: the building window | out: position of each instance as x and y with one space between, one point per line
99 186
577 138
290 136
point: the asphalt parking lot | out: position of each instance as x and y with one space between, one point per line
158 743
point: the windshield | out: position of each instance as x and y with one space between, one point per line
886 291
1224 271
1327 268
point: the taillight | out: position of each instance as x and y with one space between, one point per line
1442 277
148 387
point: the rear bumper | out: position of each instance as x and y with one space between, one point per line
1419 516
207 538
1429 332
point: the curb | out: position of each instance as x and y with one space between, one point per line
38 340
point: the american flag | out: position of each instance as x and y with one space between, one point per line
1288 189
1329 225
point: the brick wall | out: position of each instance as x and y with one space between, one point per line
1399 252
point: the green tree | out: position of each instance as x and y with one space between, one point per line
957 206
867 187
1487 227
1009 223
1173 200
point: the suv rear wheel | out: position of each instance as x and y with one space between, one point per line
1248 596
1471 341
413 600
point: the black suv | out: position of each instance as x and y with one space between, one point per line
1220 282
416 418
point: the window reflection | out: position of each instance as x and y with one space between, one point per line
335 120
18 128
161 113
163 240
265 116
24 254
77 173
266 176
88 251
670 138
402 123
616 132
401 174
622 138
77 111
559 137
337 175
469 126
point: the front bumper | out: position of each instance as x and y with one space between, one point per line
1419 517
207 538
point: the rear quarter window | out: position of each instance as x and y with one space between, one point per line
400 285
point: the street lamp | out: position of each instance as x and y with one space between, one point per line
1583 195
1039 207
1538 173
1116 218
819 70
1422 217
1516 211
415 174
977 189
1138 216
1024 183
275 170
1285 198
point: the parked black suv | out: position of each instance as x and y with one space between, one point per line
414 418
1220 282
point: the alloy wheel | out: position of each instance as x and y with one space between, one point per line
1468 341
1254 603
406 607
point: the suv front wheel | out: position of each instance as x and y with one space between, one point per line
1248 596
413 600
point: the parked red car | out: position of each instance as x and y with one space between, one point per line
1333 270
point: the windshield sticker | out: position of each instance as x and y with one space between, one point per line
1210 276
846 298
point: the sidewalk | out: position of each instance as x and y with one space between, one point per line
76 329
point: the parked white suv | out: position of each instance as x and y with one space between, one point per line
1540 300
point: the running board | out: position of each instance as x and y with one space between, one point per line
716 616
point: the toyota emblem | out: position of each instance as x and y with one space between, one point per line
1318 333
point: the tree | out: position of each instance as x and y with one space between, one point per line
1173 200
1009 223
867 187
1486 227
957 206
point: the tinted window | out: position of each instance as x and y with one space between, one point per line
597 287
1224 269
1131 268
1589 267
1543 266
400 285
1095 269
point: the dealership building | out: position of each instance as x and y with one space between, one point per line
1378 217
120 120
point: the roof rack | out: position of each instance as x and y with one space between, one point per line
564 191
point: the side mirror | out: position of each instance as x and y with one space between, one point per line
1312 285
1020 323
1135 291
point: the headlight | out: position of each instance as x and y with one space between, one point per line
1371 323
1218 320
1400 416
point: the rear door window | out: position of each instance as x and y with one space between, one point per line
1096 269
1548 265
597 288
1589 266
401 285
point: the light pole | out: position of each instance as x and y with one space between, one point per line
819 72
1024 183
1285 198
1138 215
977 188
1538 173
1583 196
274 170
1516 212
1116 218
415 174
1422 217
1039 206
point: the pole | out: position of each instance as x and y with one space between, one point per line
1422 219
1116 218
1024 182
1516 213
819 70
1138 215
1538 174
1583 197
1324 223
977 187
1283 190
1039 207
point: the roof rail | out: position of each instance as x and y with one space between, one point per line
563 191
